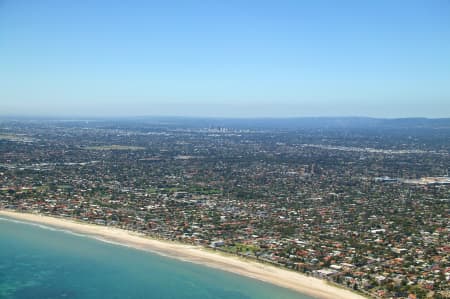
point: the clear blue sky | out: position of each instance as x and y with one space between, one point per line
225 58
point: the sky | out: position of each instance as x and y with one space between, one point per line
225 58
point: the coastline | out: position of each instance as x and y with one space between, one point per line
267 273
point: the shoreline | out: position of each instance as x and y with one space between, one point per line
190 253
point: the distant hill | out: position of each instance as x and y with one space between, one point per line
303 122
254 123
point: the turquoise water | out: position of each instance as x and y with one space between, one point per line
40 262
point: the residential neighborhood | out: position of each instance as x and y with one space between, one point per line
365 209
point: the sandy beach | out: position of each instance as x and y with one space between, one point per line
267 273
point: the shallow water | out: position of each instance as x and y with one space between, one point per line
40 262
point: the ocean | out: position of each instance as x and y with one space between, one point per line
40 262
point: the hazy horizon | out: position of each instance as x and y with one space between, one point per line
229 59
349 118
78 116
